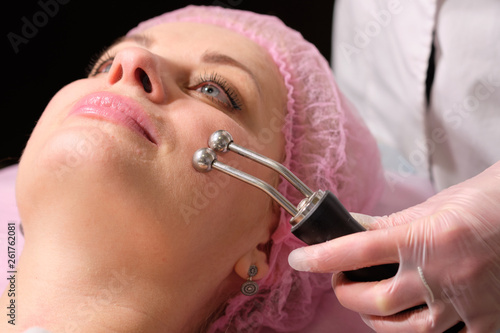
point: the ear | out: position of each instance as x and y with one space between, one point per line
256 257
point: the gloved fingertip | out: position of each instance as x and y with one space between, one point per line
298 260
365 220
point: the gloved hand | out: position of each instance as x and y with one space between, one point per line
448 249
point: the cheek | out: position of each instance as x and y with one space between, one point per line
214 199
223 216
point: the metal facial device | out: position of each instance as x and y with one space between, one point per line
319 217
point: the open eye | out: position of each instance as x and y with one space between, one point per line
214 92
103 66
218 90
100 64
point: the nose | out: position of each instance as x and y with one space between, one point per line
138 69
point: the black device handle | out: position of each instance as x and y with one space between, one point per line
329 219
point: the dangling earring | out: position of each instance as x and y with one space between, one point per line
250 287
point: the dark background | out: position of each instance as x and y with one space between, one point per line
72 31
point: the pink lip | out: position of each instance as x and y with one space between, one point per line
119 110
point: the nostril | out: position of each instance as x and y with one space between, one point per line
144 79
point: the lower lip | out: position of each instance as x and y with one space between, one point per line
116 109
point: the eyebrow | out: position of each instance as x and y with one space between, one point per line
222 59
140 39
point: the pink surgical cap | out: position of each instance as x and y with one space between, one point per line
327 146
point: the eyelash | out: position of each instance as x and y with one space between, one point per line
105 56
222 84
97 61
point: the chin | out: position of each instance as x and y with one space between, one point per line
76 165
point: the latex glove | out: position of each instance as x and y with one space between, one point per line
449 253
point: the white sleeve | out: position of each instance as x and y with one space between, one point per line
380 53
464 116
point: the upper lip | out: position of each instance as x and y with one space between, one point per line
118 109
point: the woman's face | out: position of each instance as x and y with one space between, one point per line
109 162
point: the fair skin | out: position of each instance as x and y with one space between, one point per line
122 234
